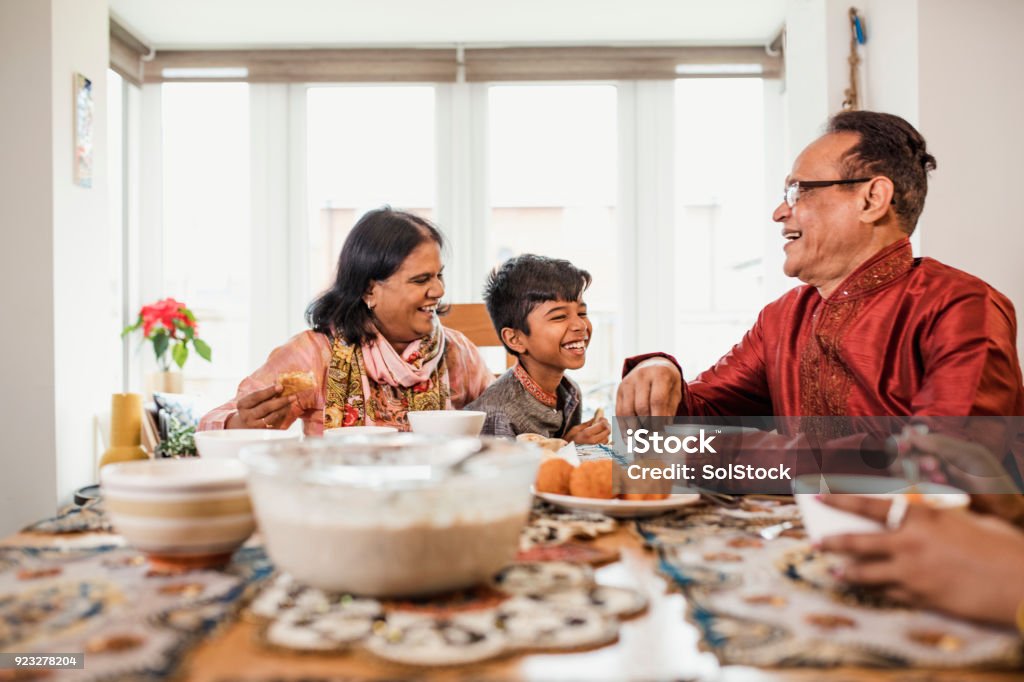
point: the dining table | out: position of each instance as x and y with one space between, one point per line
661 642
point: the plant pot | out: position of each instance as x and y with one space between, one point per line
165 382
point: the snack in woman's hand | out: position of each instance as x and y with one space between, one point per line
553 476
593 479
598 415
296 382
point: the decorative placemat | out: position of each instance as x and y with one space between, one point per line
550 606
105 601
551 525
87 518
776 603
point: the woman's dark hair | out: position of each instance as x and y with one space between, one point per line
888 146
373 251
522 283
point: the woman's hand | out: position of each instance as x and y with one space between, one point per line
262 409
595 431
963 563
653 389
970 467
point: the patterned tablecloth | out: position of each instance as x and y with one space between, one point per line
135 623
777 603
105 601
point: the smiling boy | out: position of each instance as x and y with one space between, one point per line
536 305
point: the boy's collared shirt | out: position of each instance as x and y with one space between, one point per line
515 404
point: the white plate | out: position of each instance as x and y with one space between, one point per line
620 509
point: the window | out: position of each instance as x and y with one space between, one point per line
206 225
552 171
365 147
719 215
579 171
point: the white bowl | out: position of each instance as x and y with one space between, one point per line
183 513
821 520
362 430
447 422
387 516
227 443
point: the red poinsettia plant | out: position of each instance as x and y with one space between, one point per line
170 325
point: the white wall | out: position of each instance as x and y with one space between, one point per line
83 336
54 360
970 101
28 453
951 68
892 58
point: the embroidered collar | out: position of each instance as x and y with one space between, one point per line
533 388
882 268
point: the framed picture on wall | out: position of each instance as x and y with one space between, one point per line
83 131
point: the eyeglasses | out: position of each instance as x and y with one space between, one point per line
793 189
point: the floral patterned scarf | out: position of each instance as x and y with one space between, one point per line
372 384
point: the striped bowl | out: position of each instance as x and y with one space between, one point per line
183 513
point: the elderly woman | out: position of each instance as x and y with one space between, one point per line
376 349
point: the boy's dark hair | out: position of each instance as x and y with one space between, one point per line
373 251
520 284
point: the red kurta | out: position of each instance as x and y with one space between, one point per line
901 336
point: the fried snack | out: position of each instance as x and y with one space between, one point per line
598 415
593 479
646 488
296 382
643 496
553 476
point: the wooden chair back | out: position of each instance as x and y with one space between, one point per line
472 320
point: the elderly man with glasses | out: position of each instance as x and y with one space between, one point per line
873 331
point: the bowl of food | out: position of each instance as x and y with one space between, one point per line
821 520
447 422
391 515
183 513
227 443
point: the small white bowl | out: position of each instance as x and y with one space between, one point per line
361 430
227 443
183 513
447 422
821 520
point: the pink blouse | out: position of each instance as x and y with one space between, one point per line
468 376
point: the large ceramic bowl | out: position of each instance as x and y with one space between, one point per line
447 422
360 430
186 513
821 520
390 515
227 443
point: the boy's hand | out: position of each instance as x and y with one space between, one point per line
597 430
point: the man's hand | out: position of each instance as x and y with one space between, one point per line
262 409
653 389
962 563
